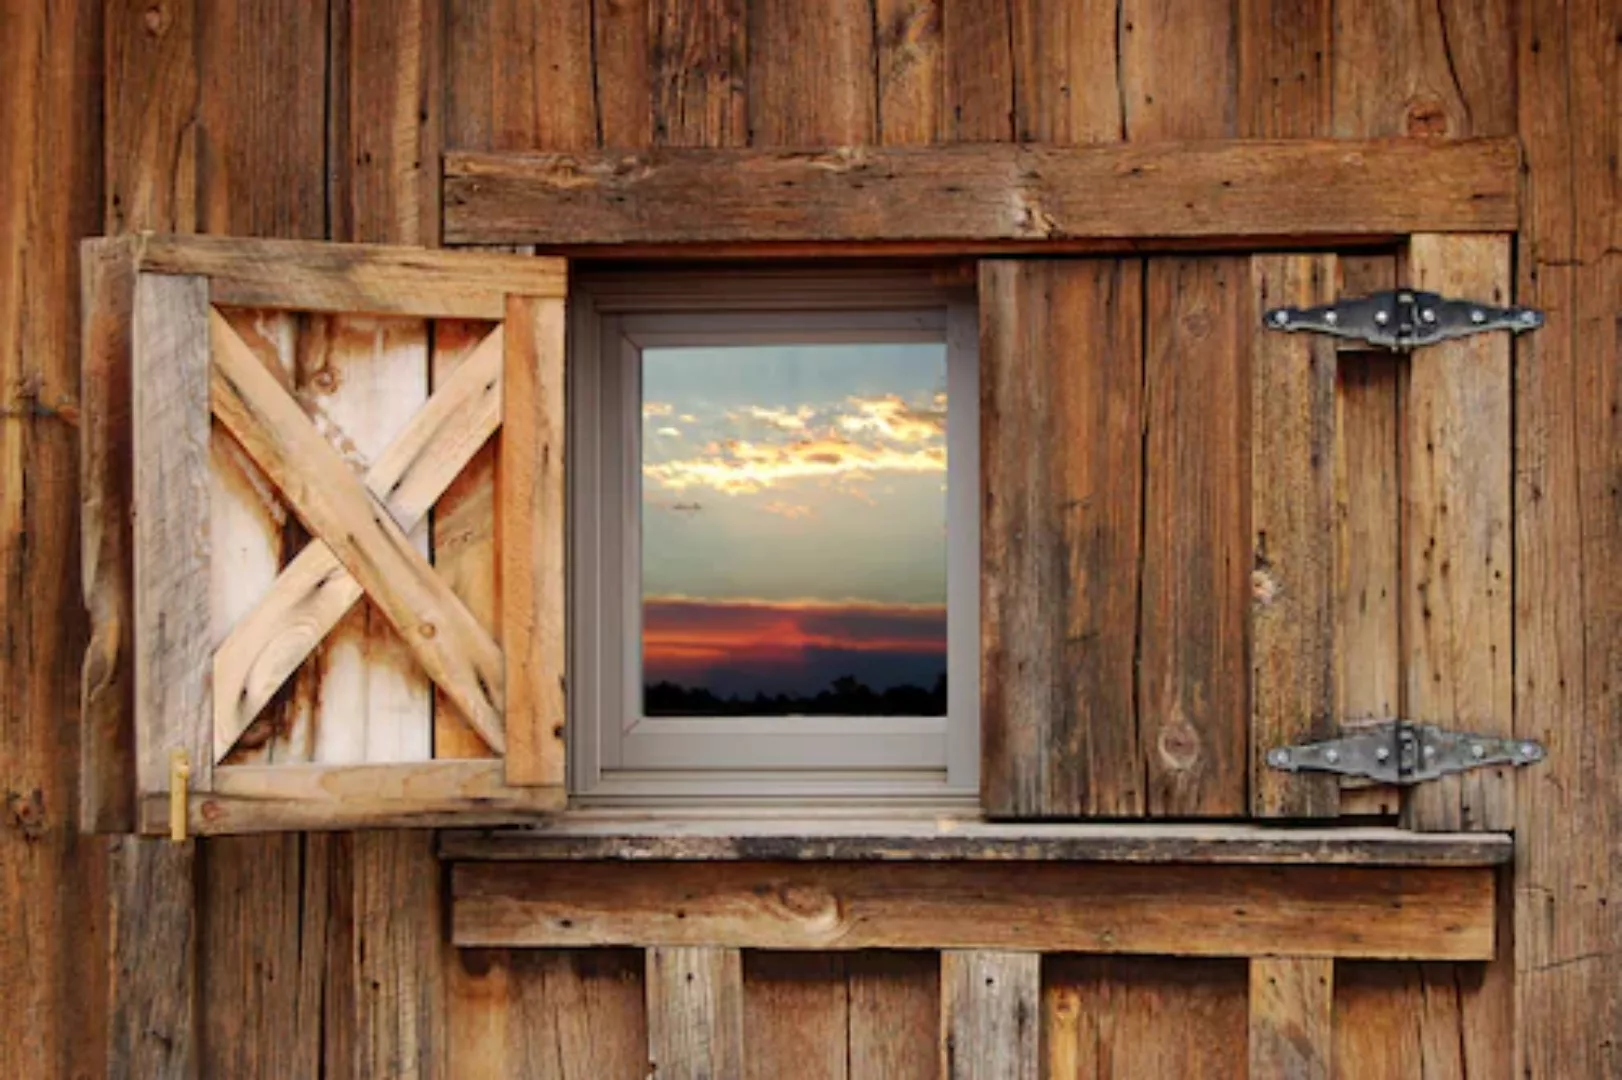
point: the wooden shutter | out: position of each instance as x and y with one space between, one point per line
342 444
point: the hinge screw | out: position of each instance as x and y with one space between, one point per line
1430 752
1531 750
1381 318
1478 316
1478 751
1331 318
1428 315
1331 755
1278 757
1382 753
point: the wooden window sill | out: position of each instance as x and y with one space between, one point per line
622 838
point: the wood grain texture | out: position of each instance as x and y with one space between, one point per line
982 193
990 1014
1178 70
810 72
151 100
1293 696
1061 415
1283 68
173 627
107 696
1067 70
464 542
796 1016
732 837
977 84
314 592
700 81
153 1017
554 1015
895 1005
370 279
1291 1013
450 644
1143 1016
1568 540
1456 601
695 1013
1232 911
1195 585
908 69
529 513
278 798
1419 1020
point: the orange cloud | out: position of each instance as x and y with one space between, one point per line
891 418
736 467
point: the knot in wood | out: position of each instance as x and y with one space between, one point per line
811 904
1179 744
1264 587
26 813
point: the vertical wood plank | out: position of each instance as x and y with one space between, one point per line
1061 417
1134 1016
1178 70
1568 542
811 73
154 924
797 1012
909 70
1293 569
1283 68
895 1007
547 1014
464 543
1196 576
700 52
977 72
173 628
532 540
622 71
990 1015
1067 71
1456 605
1291 1003
150 149
695 1013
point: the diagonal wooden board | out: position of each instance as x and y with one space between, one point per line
447 640
315 591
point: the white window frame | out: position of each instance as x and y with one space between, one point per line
619 756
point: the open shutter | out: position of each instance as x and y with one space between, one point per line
347 444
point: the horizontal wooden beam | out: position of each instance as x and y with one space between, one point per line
577 837
372 279
1376 913
987 197
422 794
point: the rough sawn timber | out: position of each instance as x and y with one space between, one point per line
1443 914
1291 1018
983 192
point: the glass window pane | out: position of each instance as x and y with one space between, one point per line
794 530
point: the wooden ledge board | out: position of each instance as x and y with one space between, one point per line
985 194
1370 912
570 838
423 794
301 275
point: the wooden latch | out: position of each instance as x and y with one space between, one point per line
179 777
1400 752
1403 319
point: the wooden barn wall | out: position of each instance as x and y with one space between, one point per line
324 954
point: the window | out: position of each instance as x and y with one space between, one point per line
775 542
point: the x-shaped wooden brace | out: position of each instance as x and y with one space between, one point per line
359 542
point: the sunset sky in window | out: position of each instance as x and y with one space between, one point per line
794 516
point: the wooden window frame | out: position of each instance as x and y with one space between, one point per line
616 755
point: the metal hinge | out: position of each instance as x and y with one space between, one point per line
1399 752
1403 319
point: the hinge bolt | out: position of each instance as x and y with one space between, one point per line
1430 752
1382 753
1478 316
1478 751
1331 318
1428 315
1331 755
1278 758
1531 750
1381 318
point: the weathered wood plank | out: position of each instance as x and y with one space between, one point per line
1106 1017
1293 694
369 279
107 701
173 628
895 1009
152 1032
1067 74
450 644
1195 584
991 1016
1232 911
1003 193
554 1015
281 798
1456 602
699 92
797 1013
534 535
810 73
1568 543
1291 1007
1177 70
977 83
908 66
734 838
695 1013
1061 414
313 593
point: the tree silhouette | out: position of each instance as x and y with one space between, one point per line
845 696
